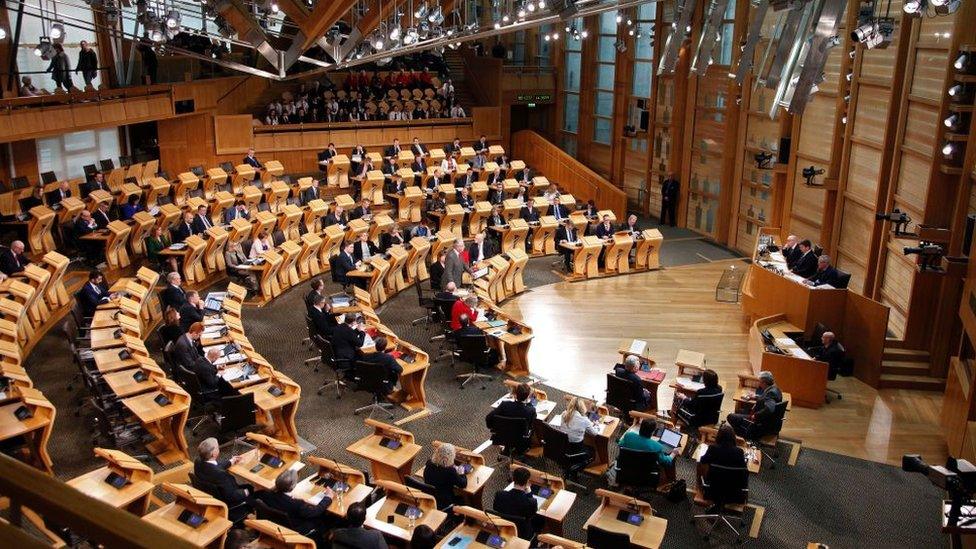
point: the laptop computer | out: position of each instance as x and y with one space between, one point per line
670 439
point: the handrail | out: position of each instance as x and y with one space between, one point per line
68 98
362 125
93 519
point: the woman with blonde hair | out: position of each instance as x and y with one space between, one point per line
575 424
441 473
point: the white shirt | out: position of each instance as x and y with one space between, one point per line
258 248
457 112
448 165
577 427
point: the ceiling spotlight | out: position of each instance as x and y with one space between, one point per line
630 32
506 18
546 38
850 76
57 31
863 32
521 13
172 19
43 49
421 12
963 63
938 3
584 33
275 8
956 122
410 37
378 42
530 7
541 4
948 149
156 34
498 24
3 33
436 17
913 7
630 23
569 29
619 18
960 93
555 35
395 33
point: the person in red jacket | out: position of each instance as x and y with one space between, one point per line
467 306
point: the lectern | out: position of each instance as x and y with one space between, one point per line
452 219
39 230
616 259
648 250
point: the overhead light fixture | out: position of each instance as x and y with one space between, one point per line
498 25
521 13
541 4
57 31
156 34
506 18
421 12
619 18
913 7
172 19
436 17
395 33
963 63
585 33
3 33
378 42
956 122
530 7
863 32
43 49
546 38
275 8
960 93
949 149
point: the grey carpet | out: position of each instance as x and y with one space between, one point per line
837 500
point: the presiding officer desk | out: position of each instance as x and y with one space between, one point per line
776 299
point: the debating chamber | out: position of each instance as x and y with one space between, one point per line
506 274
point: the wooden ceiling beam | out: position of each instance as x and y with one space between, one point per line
323 16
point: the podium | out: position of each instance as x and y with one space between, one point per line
70 207
239 230
490 168
616 258
185 183
479 191
544 239
193 271
40 279
411 203
452 219
270 287
478 217
497 268
417 260
443 240
213 255
116 254
56 265
450 192
156 188
243 175
39 230
273 536
378 225
164 423
511 208
217 179
125 191
377 272
332 239
263 221
251 196
510 187
514 284
314 212
513 237
337 173
211 533
395 281
541 204
274 168
168 215
142 224
221 201
585 257
648 252
98 197
467 153
133 497
289 218
275 194
372 187
308 259
288 272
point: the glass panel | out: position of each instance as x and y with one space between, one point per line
66 155
604 103
608 22
607 53
642 79
572 71
573 44
644 47
571 113
730 10
601 131
568 144
725 47
32 28
646 12
604 77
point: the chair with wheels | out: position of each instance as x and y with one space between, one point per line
425 303
474 350
235 417
598 538
341 368
513 435
700 411
727 490
767 433
620 395
555 446
636 469
372 379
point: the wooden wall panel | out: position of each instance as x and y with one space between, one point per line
930 69
831 69
185 142
912 183
233 132
862 181
878 64
872 113
922 127
808 205
896 290
936 31
858 222
817 128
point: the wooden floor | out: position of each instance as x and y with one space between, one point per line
578 327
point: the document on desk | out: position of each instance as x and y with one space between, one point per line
795 278
798 352
213 321
317 498
687 384
368 341
638 346
230 359
784 341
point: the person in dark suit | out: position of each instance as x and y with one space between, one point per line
34 199
396 186
711 387
481 145
192 310
605 229
336 217
724 451
201 221
239 211
454 266
327 155
519 504
464 199
393 151
529 213
302 517
210 469
173 294
758 421
806 265
102 215
518 406
130 208
365 248
557 210
170 331
55 197
496 194
669 199
323 321
12 259
252 160
468 329
386 361
346 262
418 149
317 288
310 194
354 536
480 249
454 147
93 293
207 373
360 211
589 209
357 156
184 229
566 234
391 237
628 372
441 473
97 183
187 349
437 270
826 273
419 167
84 224
631 225
496 219
791 250
830 351
348 337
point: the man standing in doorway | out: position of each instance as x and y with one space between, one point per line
669 199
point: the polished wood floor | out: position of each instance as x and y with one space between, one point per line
579 326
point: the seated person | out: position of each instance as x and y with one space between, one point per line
317 288
791 250
93 293
13 260
237 265
628 371
130 208
760 420
170 330
102 215
567 234
155 243
689 404
365 248
441 473
468 329
423 537
386 361
173 294
437 269
806 263
392 237
605 229
724 452
302 517
467 306
642 440
348 337
519 406
192 310
211 470
576 425
830 351
336 217
826 273
518 505
208 374
631 225
354 536
323 321
480 249
345 262
238 211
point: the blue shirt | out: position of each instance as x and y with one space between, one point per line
633 441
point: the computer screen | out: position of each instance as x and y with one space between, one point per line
671 438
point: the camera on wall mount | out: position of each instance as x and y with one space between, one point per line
763 160
958 478
899 221
929 255
810 174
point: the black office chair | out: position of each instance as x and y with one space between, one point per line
702 410
112 432
555 446
636 469
372 378
846 368
48 177
340 367
474 350
727 488
620 395
526 530
767 434
425 303
264 512
278 237
203 402
513 435
417 483
843 279
235 417
598 538
236 513
334 272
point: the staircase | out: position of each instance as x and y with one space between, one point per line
907 369
455 64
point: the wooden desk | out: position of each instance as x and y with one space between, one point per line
616 258
273 536
386 464
417 260
280 409
210 534
707 437
552 540
383 515
544 236
795 371
477 478
513 281
599 442
39 230
412 394
649 534
124 384
556 505
513 347
452 219
647 257
585 254
356 489
479 523
164 423
254 466
36 429
133 496
308 259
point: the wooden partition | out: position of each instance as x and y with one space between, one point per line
570 174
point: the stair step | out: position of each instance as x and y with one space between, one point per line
916 382
907 355
904 368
